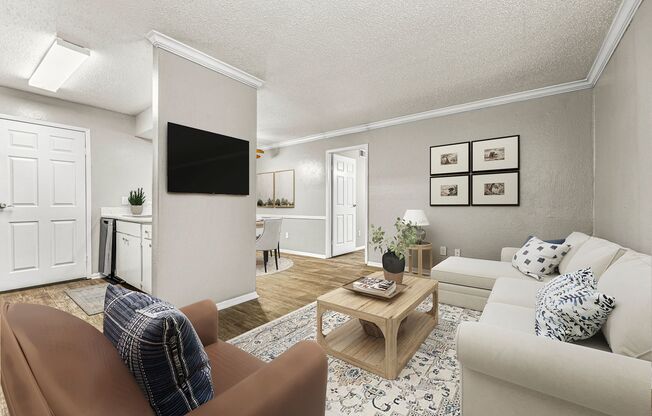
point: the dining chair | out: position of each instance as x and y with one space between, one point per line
270 239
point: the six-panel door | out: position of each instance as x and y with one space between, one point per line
42 184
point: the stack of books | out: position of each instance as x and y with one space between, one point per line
375 286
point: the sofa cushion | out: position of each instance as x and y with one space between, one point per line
537 258
518 292
569 307
595 253
628 329
575 240
478 273
161 349
516 318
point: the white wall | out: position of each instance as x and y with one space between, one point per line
623 139
556 173
204 245
119 160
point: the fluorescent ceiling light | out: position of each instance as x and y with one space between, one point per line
60 61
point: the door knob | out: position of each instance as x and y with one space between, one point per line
4 205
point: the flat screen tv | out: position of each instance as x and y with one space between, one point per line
209 163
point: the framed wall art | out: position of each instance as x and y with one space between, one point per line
496 189
449 190
500 153
265 190
449 158
284 189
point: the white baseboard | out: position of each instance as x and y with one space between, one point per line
303 253
95 276
359 248
237 300
375 264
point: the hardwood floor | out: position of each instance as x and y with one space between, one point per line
287 291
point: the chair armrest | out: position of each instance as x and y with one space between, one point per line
203 316
294 384
599 380
507 253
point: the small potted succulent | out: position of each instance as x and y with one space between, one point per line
394 249
137 200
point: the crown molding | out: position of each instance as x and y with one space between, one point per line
439 112
169 44
619 25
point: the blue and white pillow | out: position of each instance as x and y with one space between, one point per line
538 258
161 349
569 307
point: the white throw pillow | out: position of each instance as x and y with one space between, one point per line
569 307
575 239
595 253
538 258
628 329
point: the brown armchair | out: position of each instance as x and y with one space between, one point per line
53 363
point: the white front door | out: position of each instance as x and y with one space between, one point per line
43 185
343 205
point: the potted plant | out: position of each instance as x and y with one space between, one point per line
136 200
394 249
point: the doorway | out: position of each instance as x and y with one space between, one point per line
347 181
44 206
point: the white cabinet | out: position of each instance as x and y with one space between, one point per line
133 254
128 261
147 265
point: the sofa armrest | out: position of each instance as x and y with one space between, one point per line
203 316
598 380
507 253
294 384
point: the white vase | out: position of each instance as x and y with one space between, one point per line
136 209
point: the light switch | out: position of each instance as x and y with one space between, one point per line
442 250
458 252
287 235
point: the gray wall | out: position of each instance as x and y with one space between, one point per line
204 245
623 139
119 160
556 173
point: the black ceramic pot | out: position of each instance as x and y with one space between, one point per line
392 263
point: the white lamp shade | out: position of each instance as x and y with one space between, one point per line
416 217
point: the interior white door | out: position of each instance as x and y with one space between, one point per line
343 209
43 191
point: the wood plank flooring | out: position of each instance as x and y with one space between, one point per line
280 294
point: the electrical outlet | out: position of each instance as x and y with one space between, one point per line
359 233
287 235
125 200
458 252
442 250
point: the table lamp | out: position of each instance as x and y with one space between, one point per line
417 217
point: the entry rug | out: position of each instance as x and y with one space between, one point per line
90 299
428 385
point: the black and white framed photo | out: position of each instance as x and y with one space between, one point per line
449 190
495 189
500 153
449 158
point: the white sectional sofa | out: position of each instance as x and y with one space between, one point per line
507 370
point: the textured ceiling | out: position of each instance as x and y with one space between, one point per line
326 64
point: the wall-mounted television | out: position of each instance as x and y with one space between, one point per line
200 161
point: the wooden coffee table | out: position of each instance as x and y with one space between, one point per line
383 356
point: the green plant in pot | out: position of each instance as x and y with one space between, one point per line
137 200
394 248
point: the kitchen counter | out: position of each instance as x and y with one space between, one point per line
139 219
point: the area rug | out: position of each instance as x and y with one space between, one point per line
90 299
283 264
428 385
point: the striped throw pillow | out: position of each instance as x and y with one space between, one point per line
161 349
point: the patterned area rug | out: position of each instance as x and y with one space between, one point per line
90 299
428 385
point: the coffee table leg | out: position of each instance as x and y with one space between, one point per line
420 263
390 331
434 311
320 335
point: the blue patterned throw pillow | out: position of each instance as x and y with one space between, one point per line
161 349
569 307
538 258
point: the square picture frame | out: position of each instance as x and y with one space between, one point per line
450 190
498 153
449 159
496 189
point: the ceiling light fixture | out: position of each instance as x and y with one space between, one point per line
59 63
